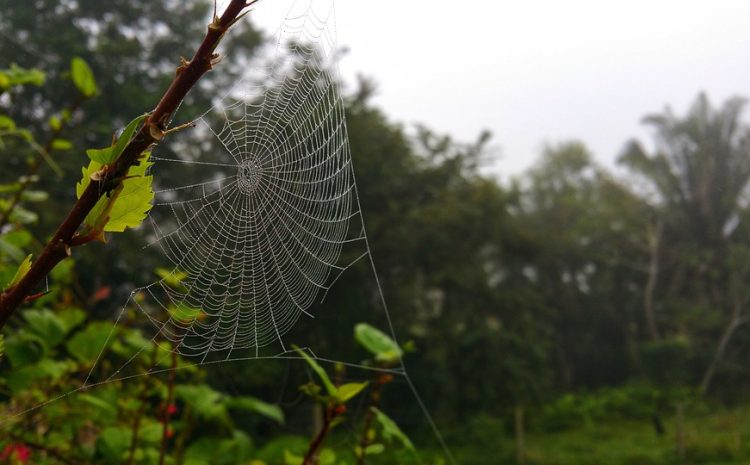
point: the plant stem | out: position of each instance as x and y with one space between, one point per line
59 247
312 451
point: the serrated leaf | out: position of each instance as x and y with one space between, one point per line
23 268
61 144
125 207
83 77
378 343
330 388
349 390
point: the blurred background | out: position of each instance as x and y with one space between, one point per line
556 196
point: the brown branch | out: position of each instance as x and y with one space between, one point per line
331 412
58 248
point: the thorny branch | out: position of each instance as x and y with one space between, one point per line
152 131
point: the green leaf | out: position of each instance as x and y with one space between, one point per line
7 123
374 449
377 343
184 313
107 155
327 457
172 278
101 156
23 268
251 404
206 402
83 77
349 390
61 144
125 207
34 196
12 244
291 459
55 123
70 318
46 325
10 187
113 442
16 76
24 349
391 429
127 135
330 388
87 344
23 216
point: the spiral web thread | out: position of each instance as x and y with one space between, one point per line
260 240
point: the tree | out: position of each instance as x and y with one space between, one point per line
699 177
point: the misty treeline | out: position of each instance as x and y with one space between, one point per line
569 277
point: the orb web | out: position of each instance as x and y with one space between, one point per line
255 242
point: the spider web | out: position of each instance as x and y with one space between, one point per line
261 238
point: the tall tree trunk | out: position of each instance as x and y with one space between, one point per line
735 322
654 241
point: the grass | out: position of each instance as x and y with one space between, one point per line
711 437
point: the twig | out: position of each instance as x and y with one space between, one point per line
58 248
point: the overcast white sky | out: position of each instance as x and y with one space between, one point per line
540 71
